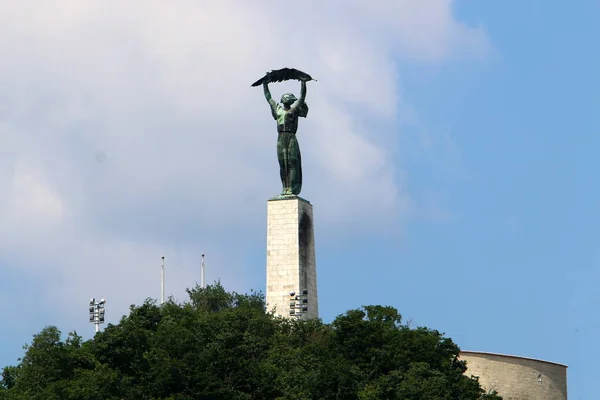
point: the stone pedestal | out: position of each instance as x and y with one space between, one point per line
291 263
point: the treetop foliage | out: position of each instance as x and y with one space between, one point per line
224 345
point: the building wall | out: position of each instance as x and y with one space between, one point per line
517 378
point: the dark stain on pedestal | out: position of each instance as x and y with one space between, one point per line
304 240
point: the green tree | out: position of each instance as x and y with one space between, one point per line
224 345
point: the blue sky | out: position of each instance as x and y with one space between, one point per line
450 155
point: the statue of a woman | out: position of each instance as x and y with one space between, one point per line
288 151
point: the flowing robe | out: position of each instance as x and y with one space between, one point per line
288 150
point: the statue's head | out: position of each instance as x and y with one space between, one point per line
288 99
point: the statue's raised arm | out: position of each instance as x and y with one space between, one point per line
301 108
302 93
267 92
270 99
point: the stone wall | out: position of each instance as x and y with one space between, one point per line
517 378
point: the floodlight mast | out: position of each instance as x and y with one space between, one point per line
202 281
97 312
162 281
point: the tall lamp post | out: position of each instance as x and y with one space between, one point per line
97 312
202 282
162 281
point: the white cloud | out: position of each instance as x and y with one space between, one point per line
32 202
129 129
423 30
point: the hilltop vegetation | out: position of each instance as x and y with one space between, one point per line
223 345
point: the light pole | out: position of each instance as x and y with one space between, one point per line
162 281
97 312
202 273
298 304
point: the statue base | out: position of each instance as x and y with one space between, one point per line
288 197
291 265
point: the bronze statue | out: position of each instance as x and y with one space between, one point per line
286 114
